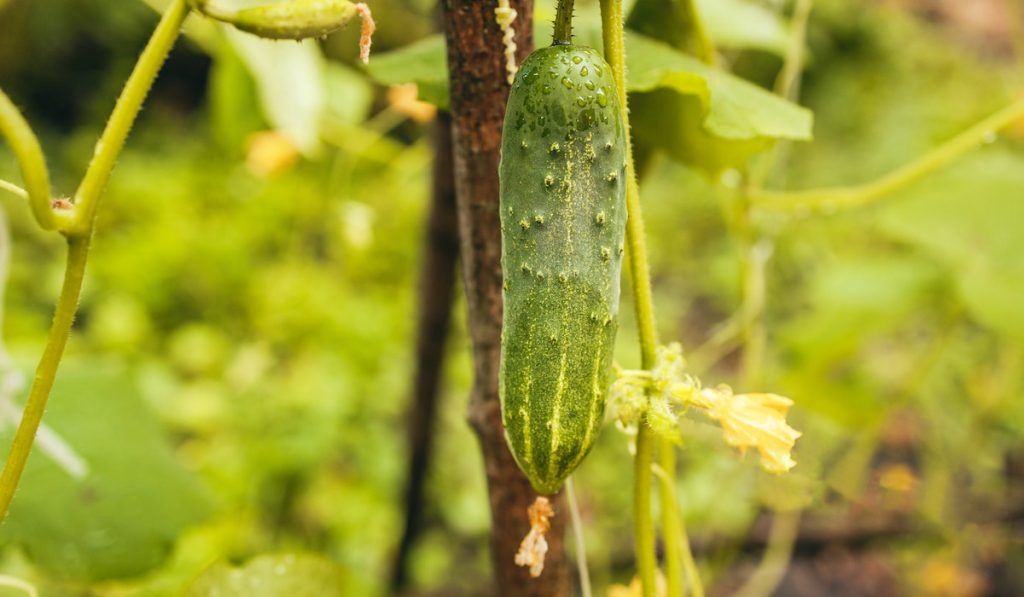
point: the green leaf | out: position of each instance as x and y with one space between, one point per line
969 218
701 115
295 575
349 94
423 62
122 518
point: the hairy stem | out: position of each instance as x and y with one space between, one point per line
30 158
615 54
563 23
866 194
46 372
108 148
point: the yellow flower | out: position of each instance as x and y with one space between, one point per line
754 421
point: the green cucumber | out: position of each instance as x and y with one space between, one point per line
290 19
563 216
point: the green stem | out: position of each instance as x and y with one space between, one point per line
10 187
46 372
668 485
753 292
787 84
30 158
581 544
643 521
865 194
79 236
563 23
615 53
670 520
21 585
771 570
108 148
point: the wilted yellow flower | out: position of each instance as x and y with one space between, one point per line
269 153
664 392
754 421
534 546
403 99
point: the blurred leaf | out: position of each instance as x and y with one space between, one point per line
851 303
740 24
853 298
123 517
670 21
271 576
667 21
850 474
717 491
969 218
290 80
790 492
701 115
423 62
349 94
233 100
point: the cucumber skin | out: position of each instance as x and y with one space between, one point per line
295 20
563 216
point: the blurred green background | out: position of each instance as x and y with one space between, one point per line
241 365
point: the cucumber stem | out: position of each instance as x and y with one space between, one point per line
25 147
612 28
563 23
128 105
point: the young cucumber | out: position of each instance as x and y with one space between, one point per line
563 215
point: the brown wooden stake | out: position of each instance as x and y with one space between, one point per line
478 91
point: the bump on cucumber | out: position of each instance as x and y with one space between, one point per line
563 215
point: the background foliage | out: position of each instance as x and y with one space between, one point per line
239 372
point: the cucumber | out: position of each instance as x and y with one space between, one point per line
289 19
563 216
